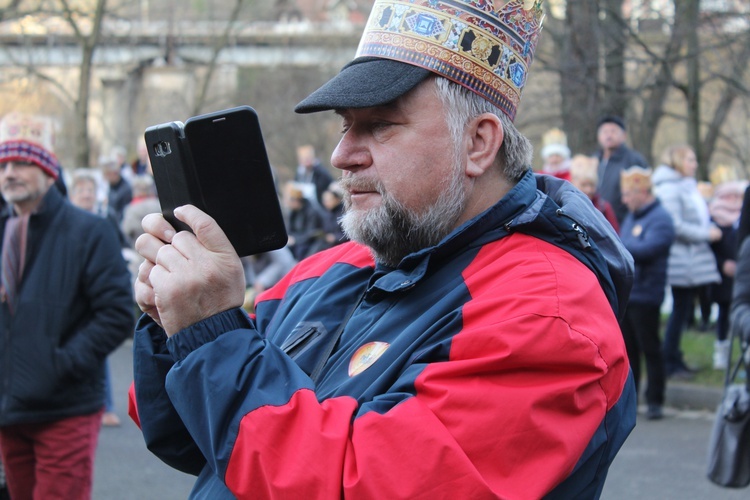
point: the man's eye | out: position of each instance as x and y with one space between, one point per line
380 127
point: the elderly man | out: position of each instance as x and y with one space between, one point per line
461 346
66 304
614 156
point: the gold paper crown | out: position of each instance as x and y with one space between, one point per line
555 142
723 173
638 178
486 46
584 167
554 136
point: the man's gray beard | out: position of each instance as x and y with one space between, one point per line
392 231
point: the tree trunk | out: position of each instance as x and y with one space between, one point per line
733 88
653 109
614 43
88 42
219 45
579 72
692 10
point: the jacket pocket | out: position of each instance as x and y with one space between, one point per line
304 336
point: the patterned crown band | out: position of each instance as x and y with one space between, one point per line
483 45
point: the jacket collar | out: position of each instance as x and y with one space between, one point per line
646 209
488 226
617 154
50 205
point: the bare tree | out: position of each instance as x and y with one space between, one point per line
85 22
610 63
88 42
579 73
219 44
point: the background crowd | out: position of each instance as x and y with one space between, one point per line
682 233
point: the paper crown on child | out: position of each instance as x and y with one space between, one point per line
635 178
584 168
555 142
28 138
484 45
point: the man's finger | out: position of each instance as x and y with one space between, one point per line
157 225
169 258
144 272
205 228
148 246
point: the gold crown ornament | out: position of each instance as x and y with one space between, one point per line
635 178
486 46
555 142
584 168
723 173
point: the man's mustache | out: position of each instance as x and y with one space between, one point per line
12 183
350 184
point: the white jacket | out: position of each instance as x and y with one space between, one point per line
691 261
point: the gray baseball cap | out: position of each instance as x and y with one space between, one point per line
363 83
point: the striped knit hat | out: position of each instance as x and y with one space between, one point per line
27 138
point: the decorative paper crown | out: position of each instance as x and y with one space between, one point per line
483 45
555 142
584 167
635 178
29 139
723 173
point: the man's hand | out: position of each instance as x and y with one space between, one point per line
187 277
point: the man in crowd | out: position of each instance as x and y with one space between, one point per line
463 343
120 193
311 174
66 304
647 233
614 156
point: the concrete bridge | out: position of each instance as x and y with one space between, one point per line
254 44
150 73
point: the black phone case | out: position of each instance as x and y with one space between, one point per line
218 162
173 169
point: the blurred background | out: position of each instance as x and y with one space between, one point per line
107 69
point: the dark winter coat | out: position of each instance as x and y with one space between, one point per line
648 234
74 307
609 176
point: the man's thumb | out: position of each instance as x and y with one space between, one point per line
205 228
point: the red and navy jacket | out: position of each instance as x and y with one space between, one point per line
488 366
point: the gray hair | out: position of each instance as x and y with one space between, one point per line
143 185
81 175
462 105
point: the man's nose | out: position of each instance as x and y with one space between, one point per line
350 153
7 167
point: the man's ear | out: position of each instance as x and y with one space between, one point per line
485 136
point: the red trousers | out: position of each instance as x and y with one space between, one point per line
51 460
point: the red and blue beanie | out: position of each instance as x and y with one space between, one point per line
31 139
26 151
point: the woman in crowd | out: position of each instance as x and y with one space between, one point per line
583 175
691 261
725 208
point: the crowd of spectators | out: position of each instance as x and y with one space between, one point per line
685 263
682 234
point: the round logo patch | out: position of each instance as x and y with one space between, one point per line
366 356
